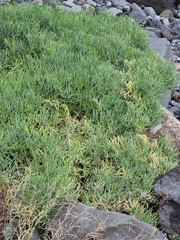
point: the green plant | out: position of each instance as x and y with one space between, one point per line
75 102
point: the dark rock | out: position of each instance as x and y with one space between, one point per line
75 219
169 217
158 5
11 230
167 189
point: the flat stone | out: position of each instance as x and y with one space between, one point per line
75 219
162 46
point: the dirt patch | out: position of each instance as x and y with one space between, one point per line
170 128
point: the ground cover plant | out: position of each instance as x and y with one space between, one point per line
78 92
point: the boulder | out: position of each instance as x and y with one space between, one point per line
158 5
167 189
74 220
162 46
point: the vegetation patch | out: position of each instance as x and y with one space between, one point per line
78 92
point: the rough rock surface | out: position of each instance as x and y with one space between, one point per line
167 188
75 219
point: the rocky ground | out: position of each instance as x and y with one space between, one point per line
162 28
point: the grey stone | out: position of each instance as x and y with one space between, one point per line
10 230
115 11
75 8
156 128
138 17
178 13
91 2
138 10
151 34
34 235
175 26
174 42
3 2
155 30
127 8
162 46
175 110
174 58
149 11
108 4
39 2
165 21
119 3
167 189
165 99
175 104
71 1
156 22
68 4
75 219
